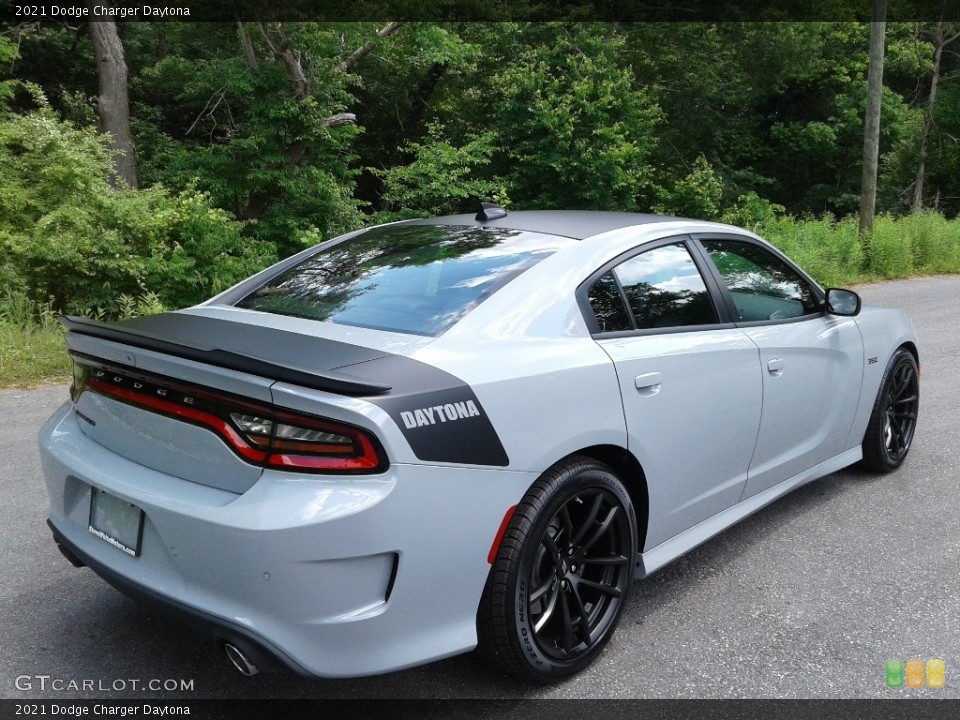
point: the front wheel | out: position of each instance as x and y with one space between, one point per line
562 574
894 418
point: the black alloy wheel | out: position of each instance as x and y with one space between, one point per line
563 573
894 419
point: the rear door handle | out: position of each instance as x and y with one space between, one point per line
775 367
649 383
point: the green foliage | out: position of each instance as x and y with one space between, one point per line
753 212
246 157
443 178
66 236
934 242
32 349
833 253
575 130
889 252
243 135
697 195
829 250
8 53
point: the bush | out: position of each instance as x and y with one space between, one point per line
828 250
67 237
890 254
934 242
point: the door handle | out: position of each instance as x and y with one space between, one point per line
775 367
648 383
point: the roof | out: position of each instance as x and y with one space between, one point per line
577 224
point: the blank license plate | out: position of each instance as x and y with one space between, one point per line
116 521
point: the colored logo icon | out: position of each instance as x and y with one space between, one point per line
894 673
914 673
936 673
911 673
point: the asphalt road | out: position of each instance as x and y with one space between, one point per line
807 598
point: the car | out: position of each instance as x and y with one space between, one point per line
472 431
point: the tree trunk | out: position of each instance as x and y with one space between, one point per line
113 103
940 41
871 133
248 51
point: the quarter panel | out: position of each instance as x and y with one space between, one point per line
545 398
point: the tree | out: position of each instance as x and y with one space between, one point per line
941 38
113 104
871 133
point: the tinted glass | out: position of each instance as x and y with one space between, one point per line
417 279
607 304
762 286
665 289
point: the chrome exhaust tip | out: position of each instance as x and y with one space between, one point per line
239 660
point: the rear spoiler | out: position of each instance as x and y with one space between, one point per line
329 380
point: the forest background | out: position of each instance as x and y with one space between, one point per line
249 141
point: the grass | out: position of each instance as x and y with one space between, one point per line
32 355
32 350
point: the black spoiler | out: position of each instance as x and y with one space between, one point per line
241 346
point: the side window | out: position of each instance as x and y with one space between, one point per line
662 287
762 286
607 304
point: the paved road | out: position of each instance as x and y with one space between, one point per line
807 598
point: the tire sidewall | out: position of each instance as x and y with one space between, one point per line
877 423
579 480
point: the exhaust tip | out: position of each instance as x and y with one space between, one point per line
239 660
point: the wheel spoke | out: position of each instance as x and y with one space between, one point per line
582 620
610 560
548 611
567 644
552 548
591 518
610 590
601 531
566 522
541 591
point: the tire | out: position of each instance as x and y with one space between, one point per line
562 575
894 418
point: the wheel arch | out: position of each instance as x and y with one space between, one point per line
911 347
626 467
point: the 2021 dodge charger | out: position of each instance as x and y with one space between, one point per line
439 434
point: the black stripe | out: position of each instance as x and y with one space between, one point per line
395 383
238 346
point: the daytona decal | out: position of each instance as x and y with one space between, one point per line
441 413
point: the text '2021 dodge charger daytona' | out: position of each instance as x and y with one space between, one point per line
465 431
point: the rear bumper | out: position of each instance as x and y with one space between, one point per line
264 655
329 576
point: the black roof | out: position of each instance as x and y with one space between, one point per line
577 224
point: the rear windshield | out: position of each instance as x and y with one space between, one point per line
417 279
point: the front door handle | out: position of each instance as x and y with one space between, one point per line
775 367
648 383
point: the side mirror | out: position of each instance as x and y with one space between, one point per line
843 302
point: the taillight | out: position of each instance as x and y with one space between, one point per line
259 434
298 441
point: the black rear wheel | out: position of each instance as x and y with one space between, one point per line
562 574
894 418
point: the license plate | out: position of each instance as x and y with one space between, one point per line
116 521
